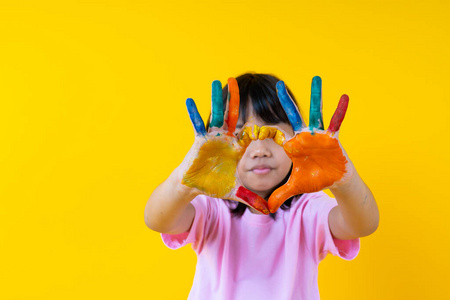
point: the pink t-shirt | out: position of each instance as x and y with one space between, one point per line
256 257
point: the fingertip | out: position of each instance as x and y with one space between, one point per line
339 115
280 85
317 79
289 106
345 98
282 91
233 106
190 102
233 89
231 79
216 86
195 117
316 86
343 102
216 105
232 82
273 208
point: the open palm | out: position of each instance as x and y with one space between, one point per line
319 161
210 166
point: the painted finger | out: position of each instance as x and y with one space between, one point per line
315 110
195 117
233 106
216 105
339 114
248 134
252 200
280 195
289 107
272 133
213 170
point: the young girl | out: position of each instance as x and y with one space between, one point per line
262 151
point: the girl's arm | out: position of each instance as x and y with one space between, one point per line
320 162
168 209
357 212
209 168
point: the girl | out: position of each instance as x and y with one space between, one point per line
262 150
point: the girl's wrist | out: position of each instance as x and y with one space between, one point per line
346 183
181 191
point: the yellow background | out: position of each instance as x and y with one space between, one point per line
92 119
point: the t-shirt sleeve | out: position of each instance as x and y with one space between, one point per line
205 210
318 209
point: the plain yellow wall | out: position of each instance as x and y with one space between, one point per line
92 119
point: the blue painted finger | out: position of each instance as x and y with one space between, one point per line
196 119
315 110
289 107
217 105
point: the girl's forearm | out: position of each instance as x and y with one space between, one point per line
357 206
168 209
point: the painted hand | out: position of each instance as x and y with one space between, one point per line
210 166
319 161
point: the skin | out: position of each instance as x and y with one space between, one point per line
264 164
210 168
213 158
318 158
169 210
319 162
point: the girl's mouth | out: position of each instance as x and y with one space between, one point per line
261 170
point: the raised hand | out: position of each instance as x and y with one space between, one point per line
210 166
319 161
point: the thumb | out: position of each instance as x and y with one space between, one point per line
249 198
280 195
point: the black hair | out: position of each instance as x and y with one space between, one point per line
260 90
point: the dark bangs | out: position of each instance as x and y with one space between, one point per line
260 90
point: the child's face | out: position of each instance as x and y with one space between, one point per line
264 164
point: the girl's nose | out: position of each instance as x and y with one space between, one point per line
259 148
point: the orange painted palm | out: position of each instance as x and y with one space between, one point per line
210 166
318 158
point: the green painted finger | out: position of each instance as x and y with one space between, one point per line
315 110
217 105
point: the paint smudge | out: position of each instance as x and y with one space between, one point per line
213 171
318 162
